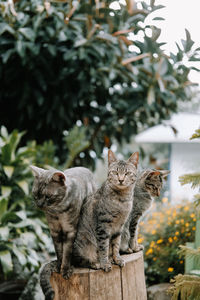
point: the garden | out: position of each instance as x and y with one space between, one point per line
76 78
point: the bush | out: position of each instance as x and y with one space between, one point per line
24 235
162 231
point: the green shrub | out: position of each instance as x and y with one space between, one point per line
166 227
23 232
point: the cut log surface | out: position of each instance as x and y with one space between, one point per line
127 283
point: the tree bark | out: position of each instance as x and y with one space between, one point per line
127 283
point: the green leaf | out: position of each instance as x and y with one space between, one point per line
6 154
20 255
4 27
4 232
28 33
9 217
8 171
3 207
24 186
4 132
79 43
151 95
158 19
6 261
6 191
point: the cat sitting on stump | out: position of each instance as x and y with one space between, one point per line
90 227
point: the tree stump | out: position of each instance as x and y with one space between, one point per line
127 283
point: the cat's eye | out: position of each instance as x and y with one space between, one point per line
114 172
128 173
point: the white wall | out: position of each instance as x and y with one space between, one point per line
185 158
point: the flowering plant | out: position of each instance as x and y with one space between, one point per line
161 232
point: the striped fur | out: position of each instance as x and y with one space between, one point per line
148 185
60 195
103 216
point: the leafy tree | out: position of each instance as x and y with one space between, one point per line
86 63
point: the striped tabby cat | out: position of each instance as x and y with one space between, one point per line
60 195
148 185
104 214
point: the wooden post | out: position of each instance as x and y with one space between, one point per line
127 283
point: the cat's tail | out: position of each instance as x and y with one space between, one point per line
45 275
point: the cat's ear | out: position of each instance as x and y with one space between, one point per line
164 173
153 173
58 177
134 158
37 171
111 157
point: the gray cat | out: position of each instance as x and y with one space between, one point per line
148 185
60 195
103 216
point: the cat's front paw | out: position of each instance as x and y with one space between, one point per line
49 295
67 272
107 267
95 266
138 248
119 261
127 251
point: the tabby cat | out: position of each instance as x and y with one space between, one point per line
148 185
103 216
60 195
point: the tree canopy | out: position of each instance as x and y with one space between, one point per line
82 62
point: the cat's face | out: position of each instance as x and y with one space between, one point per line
49 187
154 181
122 174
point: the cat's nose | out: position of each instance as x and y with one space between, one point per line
121 181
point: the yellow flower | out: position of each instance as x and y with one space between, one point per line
193 228
188 234
192 215
186 208
187 224
170 239
152 244
159 241
170 269
177 221
164 199
175 238
177 233
153 231
181 262
194 219
149 251
182 221
140 240
154 259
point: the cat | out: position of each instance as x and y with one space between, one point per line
60 195
148 185
103 215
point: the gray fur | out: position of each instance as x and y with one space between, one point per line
148 185
103 216
60 195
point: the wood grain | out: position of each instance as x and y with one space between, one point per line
126 283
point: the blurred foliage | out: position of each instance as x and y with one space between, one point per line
24 235
84 61
23 232
188 286
166 227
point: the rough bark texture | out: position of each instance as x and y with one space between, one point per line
126 283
